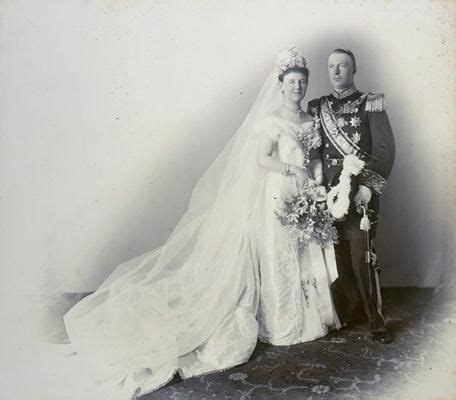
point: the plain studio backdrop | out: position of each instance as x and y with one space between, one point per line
112 110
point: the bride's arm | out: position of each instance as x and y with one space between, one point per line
267 161
265 158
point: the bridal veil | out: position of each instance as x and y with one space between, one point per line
153 314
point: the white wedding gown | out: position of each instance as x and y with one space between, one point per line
295 299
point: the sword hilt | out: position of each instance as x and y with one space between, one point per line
364 224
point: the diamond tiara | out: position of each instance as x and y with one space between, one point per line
290 58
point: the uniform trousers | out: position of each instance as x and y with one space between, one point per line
351 289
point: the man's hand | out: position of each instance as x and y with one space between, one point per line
363 197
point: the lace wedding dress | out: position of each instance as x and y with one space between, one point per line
295 299
226 276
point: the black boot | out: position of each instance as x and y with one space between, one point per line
382 336
379 332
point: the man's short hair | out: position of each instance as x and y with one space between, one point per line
348 53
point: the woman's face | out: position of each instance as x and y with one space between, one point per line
294 86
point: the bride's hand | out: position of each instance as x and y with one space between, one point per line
301 176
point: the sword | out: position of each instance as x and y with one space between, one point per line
370 262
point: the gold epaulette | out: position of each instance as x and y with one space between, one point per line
375 102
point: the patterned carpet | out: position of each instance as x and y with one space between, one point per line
420 364
346 364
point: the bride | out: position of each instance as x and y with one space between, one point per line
230 273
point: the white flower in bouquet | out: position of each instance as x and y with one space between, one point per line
308 217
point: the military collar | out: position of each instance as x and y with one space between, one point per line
342 94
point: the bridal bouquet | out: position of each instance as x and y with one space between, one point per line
308 217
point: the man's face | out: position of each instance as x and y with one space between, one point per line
340 69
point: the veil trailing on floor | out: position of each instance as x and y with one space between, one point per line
163 305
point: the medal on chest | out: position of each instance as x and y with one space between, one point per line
344 124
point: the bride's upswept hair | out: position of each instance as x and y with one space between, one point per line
303 70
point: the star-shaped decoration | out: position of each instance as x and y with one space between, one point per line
355 122
341 122
356 137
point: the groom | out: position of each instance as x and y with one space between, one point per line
355 123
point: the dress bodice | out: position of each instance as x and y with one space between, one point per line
286 136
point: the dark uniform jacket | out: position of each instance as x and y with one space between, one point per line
356 123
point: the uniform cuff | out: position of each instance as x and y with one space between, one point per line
372 180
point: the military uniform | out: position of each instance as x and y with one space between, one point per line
356 123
